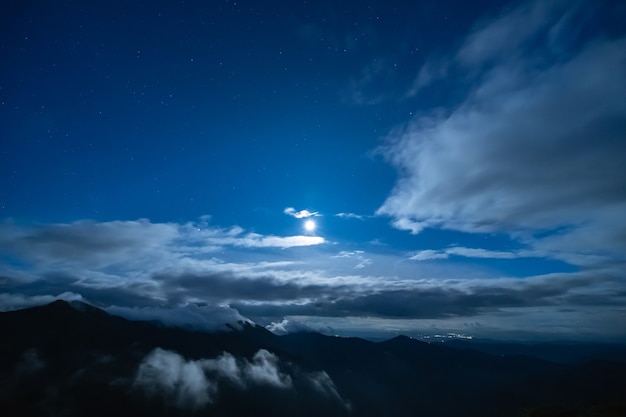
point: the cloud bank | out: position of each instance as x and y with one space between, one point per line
181 282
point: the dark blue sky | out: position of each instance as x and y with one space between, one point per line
463 163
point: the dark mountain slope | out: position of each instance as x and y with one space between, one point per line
74 359
554 352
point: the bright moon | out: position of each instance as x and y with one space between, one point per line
309 225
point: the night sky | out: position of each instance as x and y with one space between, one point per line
354 167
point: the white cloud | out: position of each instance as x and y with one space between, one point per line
348 254
225 366
351 216
404 223
85 242
130 245
253 240
357 255
192 384
264 369
481 253
363 262
324 384
519 161
205 317
302 214
195 383
286 326
18 301
508 33
504 40
536 146
430 254
182 382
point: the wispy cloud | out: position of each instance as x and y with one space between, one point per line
535 148
429 254
254 240
351 216
358 256
302 214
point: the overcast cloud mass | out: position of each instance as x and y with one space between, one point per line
494 206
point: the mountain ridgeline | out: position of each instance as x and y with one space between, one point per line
72 359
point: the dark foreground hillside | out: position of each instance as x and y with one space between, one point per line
76 360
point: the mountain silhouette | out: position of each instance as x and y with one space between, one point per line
73 359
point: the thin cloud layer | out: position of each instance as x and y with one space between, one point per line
105 243
351 216
429 254
358 256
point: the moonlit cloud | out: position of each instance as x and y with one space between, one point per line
404 223
465 252
427 254
519 162
107 244
351 216
192 384
182 382
286 326
431 299
86 242
302 214
177 281
205 318
264 369
18 301
415 165
254 240
481 253
357 255
535 147
514 30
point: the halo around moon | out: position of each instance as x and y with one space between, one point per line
309 225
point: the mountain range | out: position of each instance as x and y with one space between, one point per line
73 359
